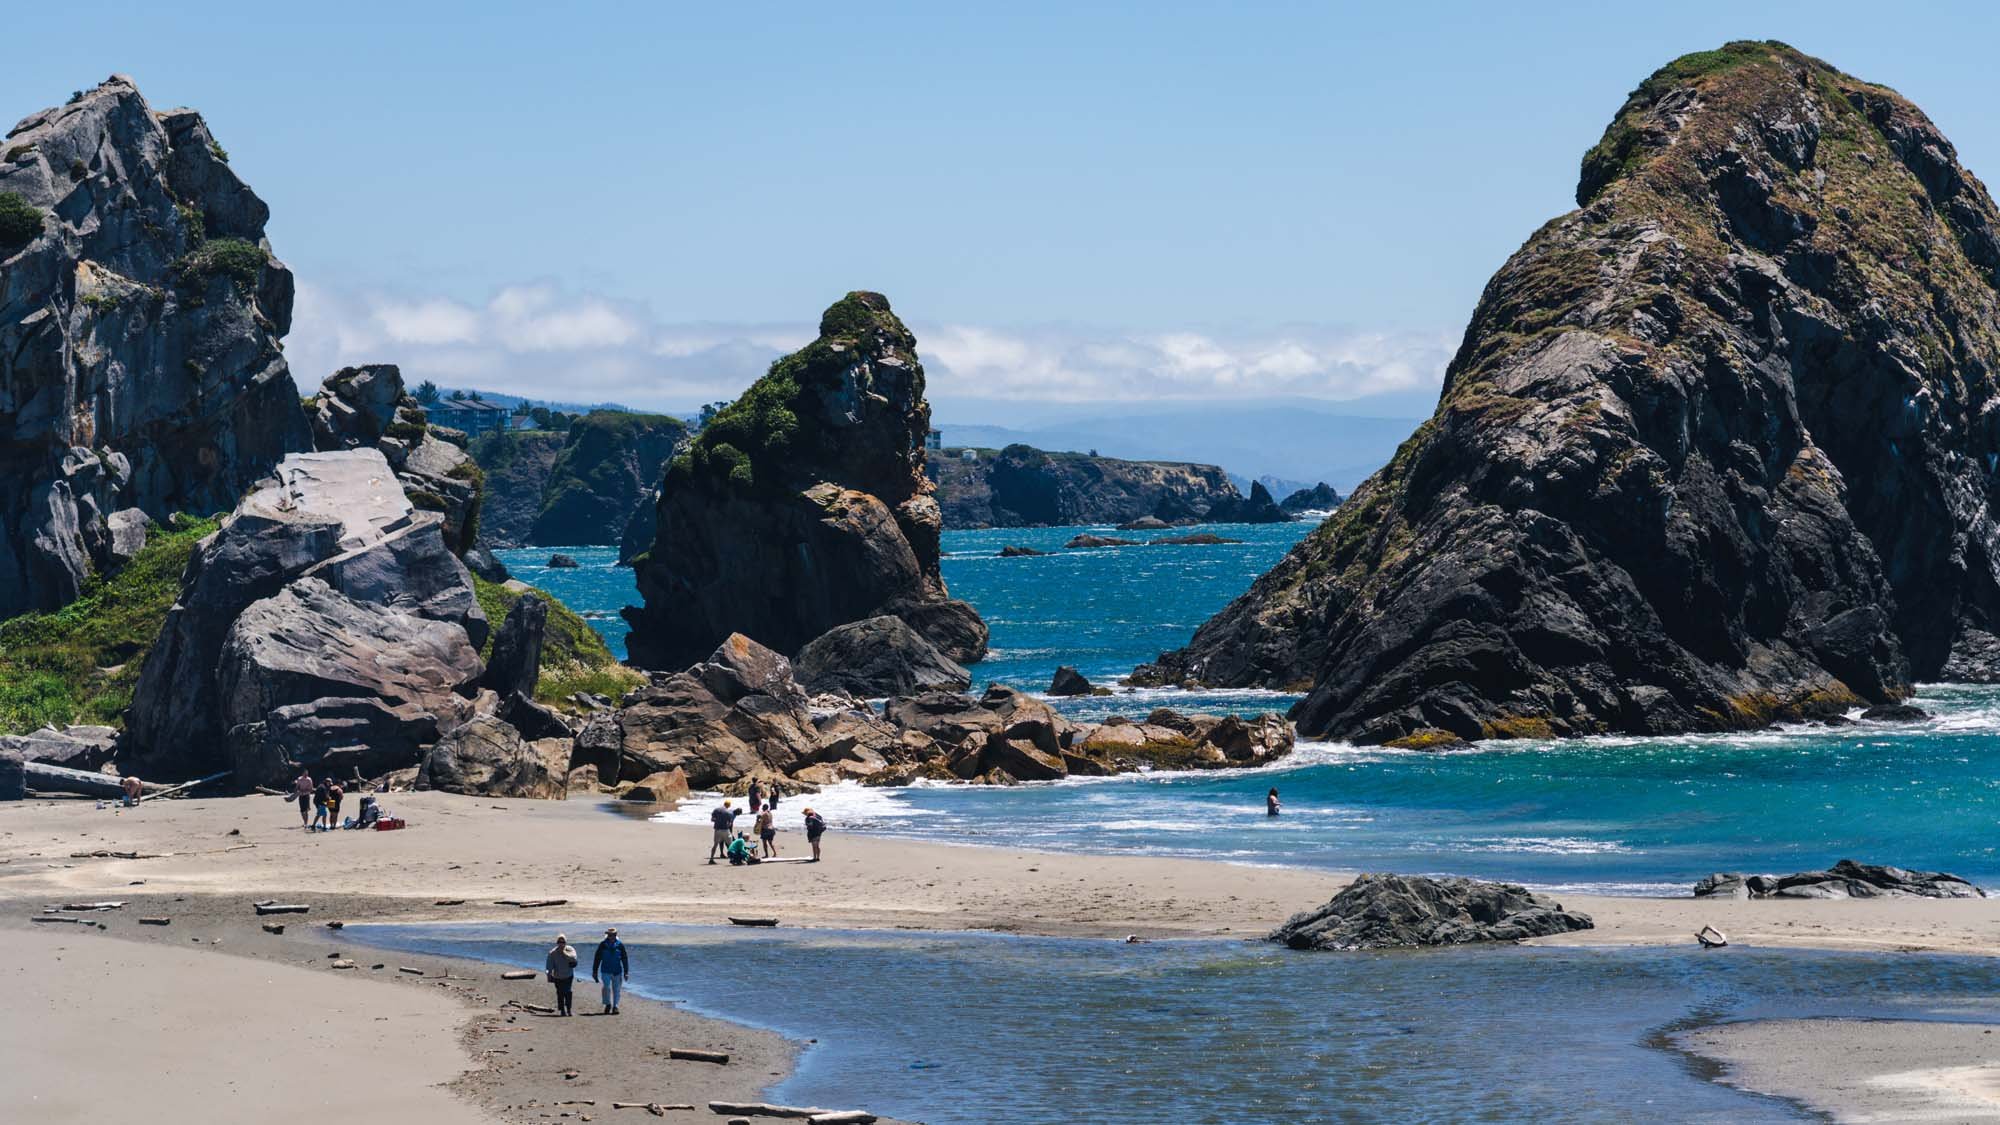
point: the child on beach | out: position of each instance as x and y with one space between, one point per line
319 806
767 831
815 828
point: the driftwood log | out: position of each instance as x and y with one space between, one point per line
719 1058
264 908
519 974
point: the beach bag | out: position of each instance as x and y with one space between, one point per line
389 824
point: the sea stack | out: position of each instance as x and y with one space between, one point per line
804 506
1718 449
140 315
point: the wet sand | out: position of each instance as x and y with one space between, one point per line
1862 1070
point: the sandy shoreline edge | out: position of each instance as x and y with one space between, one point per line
619 869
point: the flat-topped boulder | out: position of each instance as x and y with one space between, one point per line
488 758
1410 911
378 569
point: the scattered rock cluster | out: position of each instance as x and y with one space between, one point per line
1406 911
1846 879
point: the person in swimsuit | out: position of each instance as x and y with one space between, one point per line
1271 802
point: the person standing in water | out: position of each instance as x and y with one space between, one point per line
561 964
611 964
756 796
1271 802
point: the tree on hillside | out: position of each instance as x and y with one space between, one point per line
427 393
708 413
474 396
522 409
458 396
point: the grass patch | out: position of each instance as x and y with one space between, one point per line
574 657
237 258
80 663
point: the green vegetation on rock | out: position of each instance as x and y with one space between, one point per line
232 257
20 221
574 657
79 664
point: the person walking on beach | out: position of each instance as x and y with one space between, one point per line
771 802
723 819
562 973
302 788
319 806
333 795
1271 802
767 831
611 965
815 828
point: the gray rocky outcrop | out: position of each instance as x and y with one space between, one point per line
75 747
1718 448
366 408
515 665
140 367
1069 681
13 776
877 658
1408 911
1846 879
735 713
1321 497
804 505
1258 507
481 561
348 592
487 757
337 736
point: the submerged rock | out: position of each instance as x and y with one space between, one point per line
1699 463
1086 541
1020 553
1895 713
804 505
560 561
140 365
1405 911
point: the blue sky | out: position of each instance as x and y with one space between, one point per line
1093 202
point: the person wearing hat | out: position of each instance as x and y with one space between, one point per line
724 819
562 973
610 965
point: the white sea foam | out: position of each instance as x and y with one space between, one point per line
1547 845
845 803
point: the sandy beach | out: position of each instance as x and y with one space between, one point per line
206 860
1862 1070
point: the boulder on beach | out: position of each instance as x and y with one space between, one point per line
656 788
1407 911
75 747
488 758
875 659
1846 879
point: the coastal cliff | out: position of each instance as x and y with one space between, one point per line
1718 448
581 486
140 318
1021 486
804 506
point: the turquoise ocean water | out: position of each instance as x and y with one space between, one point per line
1640 816
965 1029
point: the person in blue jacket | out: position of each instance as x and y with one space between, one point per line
610 966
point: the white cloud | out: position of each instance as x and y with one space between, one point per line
544 342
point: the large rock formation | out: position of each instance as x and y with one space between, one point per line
1258 507
1406 911
1719 447
1846 879
804 505
324 584
140 314
517 467
1021 486
366 408
877 658
1321 497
